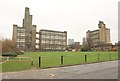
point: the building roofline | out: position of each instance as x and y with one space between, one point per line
107 28
53 30
93 30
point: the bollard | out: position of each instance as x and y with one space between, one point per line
62 60
98 57
39 61
85 58
118 56
19 58
110 56
31 61
7 58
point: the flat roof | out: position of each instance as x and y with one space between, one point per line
53 31
94 30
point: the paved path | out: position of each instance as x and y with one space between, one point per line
103 70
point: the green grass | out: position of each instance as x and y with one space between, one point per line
52 59
15 66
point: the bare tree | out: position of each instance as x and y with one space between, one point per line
101 45
7 45
89 43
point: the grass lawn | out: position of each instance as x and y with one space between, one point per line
53 59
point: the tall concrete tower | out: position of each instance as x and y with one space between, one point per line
30 30
27 21
99 36
25 36
104 33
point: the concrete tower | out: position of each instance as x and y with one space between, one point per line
104 33
100 35
25 36
30 30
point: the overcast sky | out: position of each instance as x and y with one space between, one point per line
73 16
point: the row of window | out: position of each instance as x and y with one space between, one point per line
53 37
20 40
55 33
52 42
21 34
21 29
57 48
21 45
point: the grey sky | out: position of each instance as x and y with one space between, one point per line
73 16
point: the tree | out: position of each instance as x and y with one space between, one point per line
75 46
101 45
89 43
7 45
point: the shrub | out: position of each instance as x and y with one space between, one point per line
10 54
19 52
84 49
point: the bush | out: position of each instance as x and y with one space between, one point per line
19 52
22 52
10 54
84 49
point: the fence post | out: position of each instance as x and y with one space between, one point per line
98 57
31 61
62 60
85 58
19 58
118 55
39 61
7 58
109 56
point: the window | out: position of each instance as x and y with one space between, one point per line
56 37
52 37
64 37
42 41
63 33
21 34
56 42
47 41
43 36
20 40
21 29
47 36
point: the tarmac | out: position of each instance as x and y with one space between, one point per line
102 70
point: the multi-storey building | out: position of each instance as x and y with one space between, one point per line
25 37
100 35
52 40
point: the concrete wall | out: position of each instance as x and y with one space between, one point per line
14 35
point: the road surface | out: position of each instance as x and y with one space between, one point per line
103 70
